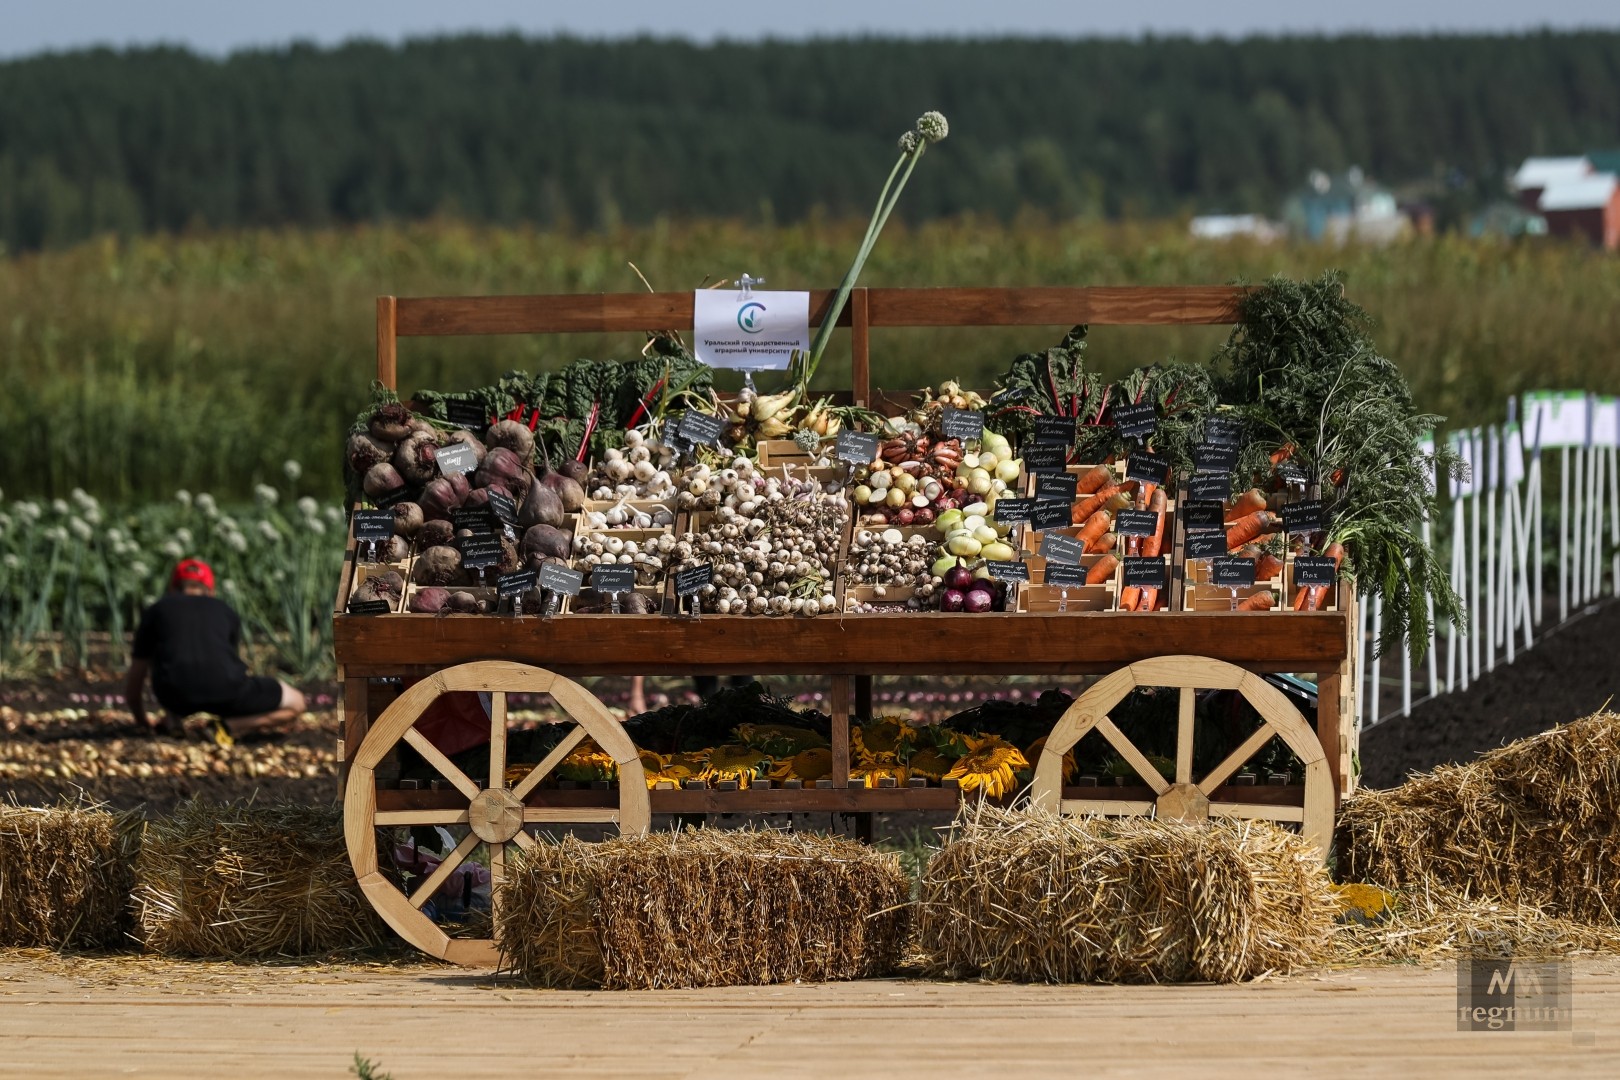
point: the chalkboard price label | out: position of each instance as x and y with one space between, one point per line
1230 572
370 607
1147 469
475 520
398 495
373 525
1136 522
1012 511
1054 431
613 579
1214 458
1291 473
1315 570
477 553
456 458
1050 515
1146 573
1136 421
1046 459
1303 517
503 507
701 429
1204 517
467 414
1055 547
517 584
1065 574
693 579
1210 487
1208 545
557 578
1007 569
962 424
1223 430
1056 487
856 447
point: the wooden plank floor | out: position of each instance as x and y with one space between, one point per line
134 1017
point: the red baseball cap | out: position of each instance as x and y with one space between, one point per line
192 570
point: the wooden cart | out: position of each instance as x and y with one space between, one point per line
1190 650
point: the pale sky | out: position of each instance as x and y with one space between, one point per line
218 26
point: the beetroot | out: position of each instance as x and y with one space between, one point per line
398 550
459 485
390 423
407 519
438 499
502 467
541 506
513 437
577 471
465 603
430 601
381 479
415 458
567 490
467 438
477 499
438 566
510 561
542 542
363 452
436 533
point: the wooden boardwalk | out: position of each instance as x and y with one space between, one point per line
68 1017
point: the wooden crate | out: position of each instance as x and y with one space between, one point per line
1081 598
1198 597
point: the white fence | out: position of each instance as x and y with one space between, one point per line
1507 541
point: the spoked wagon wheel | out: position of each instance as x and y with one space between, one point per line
1186 799
494 813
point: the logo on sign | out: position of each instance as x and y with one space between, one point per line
751 317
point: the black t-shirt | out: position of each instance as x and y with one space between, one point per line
191 642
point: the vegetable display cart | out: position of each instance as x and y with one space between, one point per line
1186 650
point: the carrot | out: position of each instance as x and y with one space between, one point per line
1266 566
1103 543
1246 503
1260 601
1309 598
1102 570
1246 528
1095 526
1094 481
1083 510
1282 453
1150 599
1153 545
1128 597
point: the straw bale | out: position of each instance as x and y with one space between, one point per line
704 907
1534 823
1429 926
1035 897
240 880
65 874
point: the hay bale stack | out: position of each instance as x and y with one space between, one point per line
65 875
704 907
1535 823
1429 927
1040 898
240 880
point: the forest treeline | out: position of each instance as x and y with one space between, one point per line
596 133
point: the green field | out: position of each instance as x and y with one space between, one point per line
135 368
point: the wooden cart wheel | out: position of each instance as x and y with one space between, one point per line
494 813
1185 799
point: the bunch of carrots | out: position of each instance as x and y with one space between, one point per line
1249 525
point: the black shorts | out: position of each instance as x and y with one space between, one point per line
257 694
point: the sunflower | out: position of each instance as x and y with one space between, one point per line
881 741
873 773
586 764
778 740
676 769
807 765
990 767
929 763
734 761
1033 754
516 771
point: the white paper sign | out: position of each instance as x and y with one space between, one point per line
1606 421
757 331
1513 454
1557 418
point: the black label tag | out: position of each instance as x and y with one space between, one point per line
398 495
1204 517
1136 421
1147 468
1210 487
1050 515
1007 570
1212 458
1230 572
1224 430
700 428
1012 511
1056 487
456 458
370 607
1045 459
1304 517
516 584
856 447
503 507
1314 570
1144 573
962 424
476 520
373 525
1055 547
1054 431
478 552
1291 473
693 578
1065 574
1136 522
557 578
1009 394
1209 545
613 579
466 414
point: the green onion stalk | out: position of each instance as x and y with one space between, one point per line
931 127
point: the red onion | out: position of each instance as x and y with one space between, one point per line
980 600
905 516
959 577
952 600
